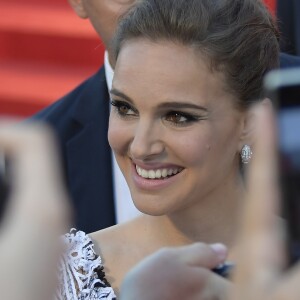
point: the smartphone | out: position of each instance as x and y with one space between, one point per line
4 169
3 187
283 87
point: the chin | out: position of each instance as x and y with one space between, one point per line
149 207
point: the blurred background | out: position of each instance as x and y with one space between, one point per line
46 50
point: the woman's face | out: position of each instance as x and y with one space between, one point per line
174 128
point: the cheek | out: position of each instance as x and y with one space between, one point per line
118 136
193 149
207 147
224 147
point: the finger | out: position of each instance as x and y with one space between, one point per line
262 182
202 255
216 287
257 266
289 286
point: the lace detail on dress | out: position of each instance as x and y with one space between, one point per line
81 274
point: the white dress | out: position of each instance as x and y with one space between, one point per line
81 272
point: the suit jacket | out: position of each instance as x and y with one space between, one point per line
80 120
289 61
289 25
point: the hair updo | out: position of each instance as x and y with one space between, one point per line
238 37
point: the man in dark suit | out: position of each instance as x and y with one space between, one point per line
289 61
289 24
80 120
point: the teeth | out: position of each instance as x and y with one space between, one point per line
143 173
157 174
151 174
164 173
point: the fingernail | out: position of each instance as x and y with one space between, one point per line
220 250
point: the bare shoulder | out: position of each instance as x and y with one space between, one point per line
116 237
117 247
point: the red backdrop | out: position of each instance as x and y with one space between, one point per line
46 50
271 4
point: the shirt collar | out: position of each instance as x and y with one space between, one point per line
109 72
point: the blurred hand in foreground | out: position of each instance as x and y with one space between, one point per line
178 273
259 273
37 214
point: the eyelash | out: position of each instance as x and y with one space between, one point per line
189 118
118 105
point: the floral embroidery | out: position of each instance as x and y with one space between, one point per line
81 273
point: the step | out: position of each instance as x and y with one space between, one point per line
43 19
57 3
42 33
67 51
27 87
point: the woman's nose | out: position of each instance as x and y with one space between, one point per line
147 142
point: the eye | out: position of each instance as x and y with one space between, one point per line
176 118
179 118
123 108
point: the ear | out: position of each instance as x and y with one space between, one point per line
79 9
249 122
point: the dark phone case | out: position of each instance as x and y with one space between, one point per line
3 196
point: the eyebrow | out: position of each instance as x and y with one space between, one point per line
165 105
181 105
120 94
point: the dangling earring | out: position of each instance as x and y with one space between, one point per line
246 154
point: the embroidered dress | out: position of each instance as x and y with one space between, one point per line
81 273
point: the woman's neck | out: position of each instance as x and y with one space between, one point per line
212 219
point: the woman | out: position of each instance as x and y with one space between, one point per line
259 273
186 74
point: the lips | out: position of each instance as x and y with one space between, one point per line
159 173
155 176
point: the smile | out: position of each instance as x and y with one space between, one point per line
158 173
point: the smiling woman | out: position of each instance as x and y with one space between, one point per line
186 75
182 123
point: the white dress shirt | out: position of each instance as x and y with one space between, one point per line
124 207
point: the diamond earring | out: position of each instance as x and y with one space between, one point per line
246 154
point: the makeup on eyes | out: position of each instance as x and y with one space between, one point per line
119 105
170 104
182 117
176 117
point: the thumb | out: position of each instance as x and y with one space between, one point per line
203 255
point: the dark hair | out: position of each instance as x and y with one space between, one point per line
239 37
